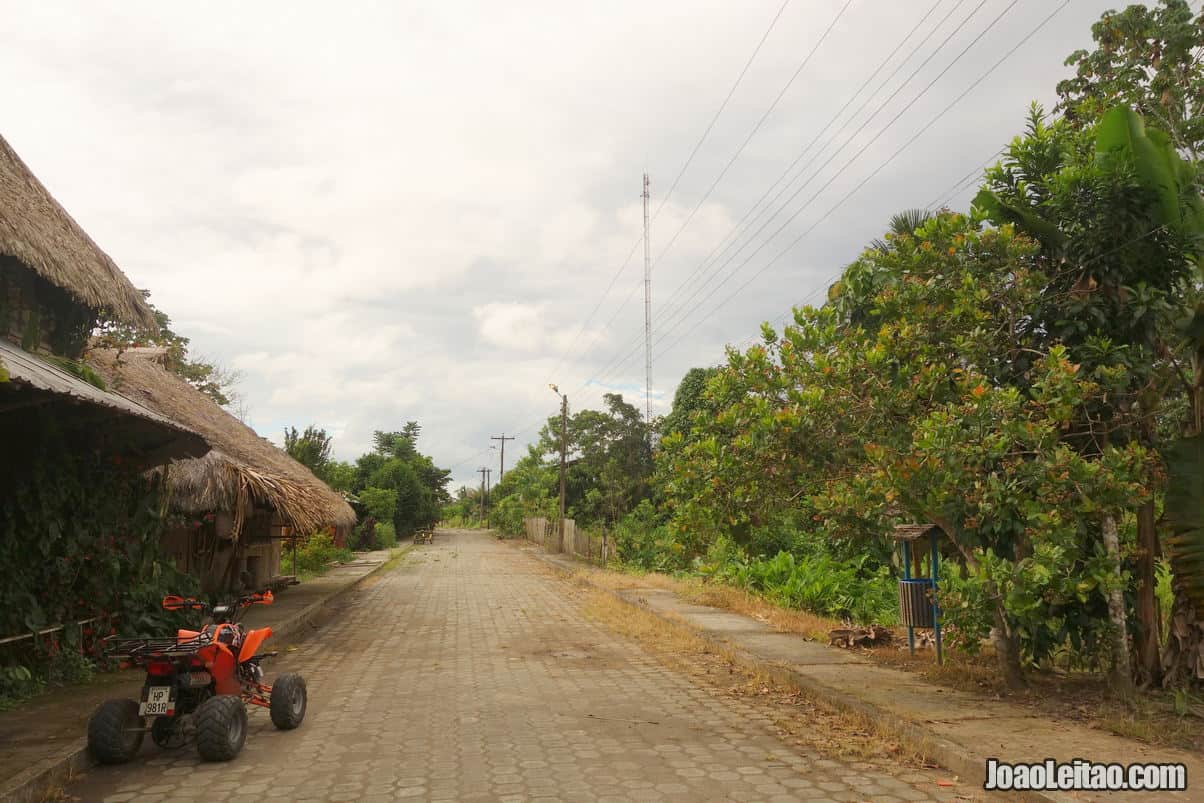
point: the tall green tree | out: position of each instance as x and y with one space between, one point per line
1146 58
310 448
689 399
1119 279
609 459
418 486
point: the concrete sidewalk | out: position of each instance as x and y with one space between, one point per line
957 729
43 740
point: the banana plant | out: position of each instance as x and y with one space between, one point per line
1123 145
1173 184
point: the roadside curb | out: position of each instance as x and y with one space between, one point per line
33 784
910 732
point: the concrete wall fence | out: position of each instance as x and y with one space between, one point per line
578 542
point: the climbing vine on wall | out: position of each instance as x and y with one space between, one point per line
79 535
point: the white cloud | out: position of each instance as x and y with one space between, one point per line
382 212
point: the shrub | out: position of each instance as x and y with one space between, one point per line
815 582
643 542
386 536
318 552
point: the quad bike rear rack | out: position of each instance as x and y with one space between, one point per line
160 647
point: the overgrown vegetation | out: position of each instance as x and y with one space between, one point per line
79 539
394 483
1020 374
318 554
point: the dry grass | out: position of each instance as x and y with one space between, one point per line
799 717
1082 698
969 673
716 595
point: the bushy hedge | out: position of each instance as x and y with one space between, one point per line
318 552
816 582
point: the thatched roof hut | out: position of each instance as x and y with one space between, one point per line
242 472
39 233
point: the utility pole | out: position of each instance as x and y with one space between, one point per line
488 486
502 472
482 471
564 440
647 310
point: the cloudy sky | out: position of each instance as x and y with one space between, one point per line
389 211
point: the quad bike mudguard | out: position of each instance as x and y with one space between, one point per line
252 642
218 659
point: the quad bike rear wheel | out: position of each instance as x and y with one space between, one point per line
115 731
289 701
221 727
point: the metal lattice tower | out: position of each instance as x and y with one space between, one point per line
647 310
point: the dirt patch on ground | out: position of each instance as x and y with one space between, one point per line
554 649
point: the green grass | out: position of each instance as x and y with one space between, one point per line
397 557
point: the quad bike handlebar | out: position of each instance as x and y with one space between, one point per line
173 602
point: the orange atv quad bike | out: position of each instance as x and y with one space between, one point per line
196 687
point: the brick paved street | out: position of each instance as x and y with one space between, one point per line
470 674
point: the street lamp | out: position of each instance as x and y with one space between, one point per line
564 425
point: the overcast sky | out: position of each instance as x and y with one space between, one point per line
380 212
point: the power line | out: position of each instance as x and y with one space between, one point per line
884 164
676 316
757 127
772 24
942 198
679 319
697 145
843 168
728 240
861 184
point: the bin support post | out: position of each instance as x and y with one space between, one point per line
911 631
936 608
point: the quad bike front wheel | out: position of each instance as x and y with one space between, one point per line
221 727
115 731
289 700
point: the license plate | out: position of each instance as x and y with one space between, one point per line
158 702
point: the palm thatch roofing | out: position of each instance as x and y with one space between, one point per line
38 232
242 472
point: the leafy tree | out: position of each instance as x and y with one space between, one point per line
418 486
1149 60
896 402
609 454
690 399
211 379
340 475
1120 278
530 489
901 224
380 503
310 448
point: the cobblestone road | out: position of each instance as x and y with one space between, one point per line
470 674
